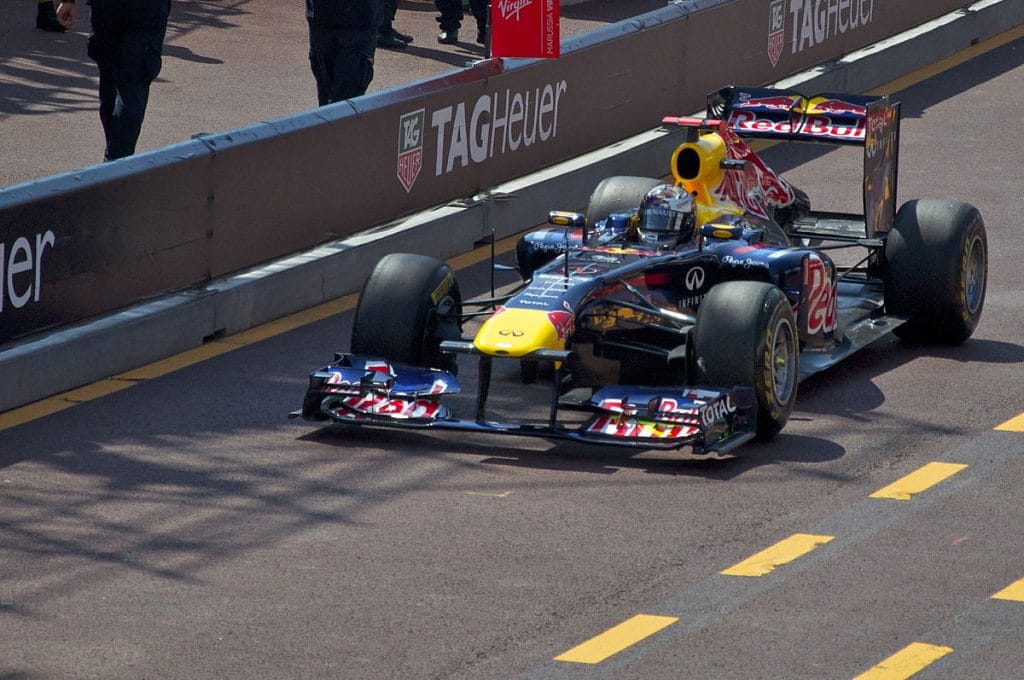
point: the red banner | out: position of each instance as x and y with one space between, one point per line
524 28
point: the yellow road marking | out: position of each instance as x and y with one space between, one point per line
781 553
912 659
214 348
1014 591
919 480
949 62
614 640
1013 424
503 494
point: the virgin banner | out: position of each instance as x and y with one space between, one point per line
524 28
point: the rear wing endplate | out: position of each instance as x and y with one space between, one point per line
851 119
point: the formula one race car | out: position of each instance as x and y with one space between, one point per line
680 314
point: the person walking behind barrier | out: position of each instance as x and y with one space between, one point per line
451 20
388 37
126 43
342 41
46 17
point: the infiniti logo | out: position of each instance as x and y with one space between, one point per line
695 278
514 333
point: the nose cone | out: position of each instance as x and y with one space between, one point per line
516 332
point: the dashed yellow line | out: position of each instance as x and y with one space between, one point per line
1014 591
1013 424
919 480
912 659
781 553
616 639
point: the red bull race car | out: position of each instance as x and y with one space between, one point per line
681 314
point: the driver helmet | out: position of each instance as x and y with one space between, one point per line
666 216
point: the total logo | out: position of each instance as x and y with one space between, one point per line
813 22
473 132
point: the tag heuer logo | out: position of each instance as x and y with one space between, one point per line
410 147
776 30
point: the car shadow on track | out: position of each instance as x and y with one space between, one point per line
571 457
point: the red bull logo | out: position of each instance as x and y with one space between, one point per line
835 107
563 322
775 103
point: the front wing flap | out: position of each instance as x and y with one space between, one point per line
706 419
357 389
371 391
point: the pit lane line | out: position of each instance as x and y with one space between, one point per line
714 598
219 346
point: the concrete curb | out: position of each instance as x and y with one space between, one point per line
81 354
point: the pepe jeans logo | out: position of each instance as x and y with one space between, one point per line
512 8
410 147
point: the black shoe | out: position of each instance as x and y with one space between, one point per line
448 37
390 42
401 36
46 18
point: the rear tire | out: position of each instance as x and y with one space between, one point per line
410 303
746 335
936 270
617 194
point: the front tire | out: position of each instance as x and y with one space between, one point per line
410 303
746 335
936 269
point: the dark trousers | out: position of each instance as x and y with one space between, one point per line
342 62
451 13
390 10
126 43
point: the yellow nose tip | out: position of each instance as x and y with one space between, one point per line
515 332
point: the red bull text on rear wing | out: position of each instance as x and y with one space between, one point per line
787 114
872 122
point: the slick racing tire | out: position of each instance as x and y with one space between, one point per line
410 303
746 335
617 194
936 268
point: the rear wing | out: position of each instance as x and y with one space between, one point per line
850 119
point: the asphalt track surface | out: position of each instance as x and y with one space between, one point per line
182 527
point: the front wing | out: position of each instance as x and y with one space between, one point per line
368 391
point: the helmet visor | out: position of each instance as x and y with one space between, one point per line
661 220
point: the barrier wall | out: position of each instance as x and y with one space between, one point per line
84 243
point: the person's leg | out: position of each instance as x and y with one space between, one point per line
450 20
137 65
353 72
388 37
481 10
321 62
102 48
